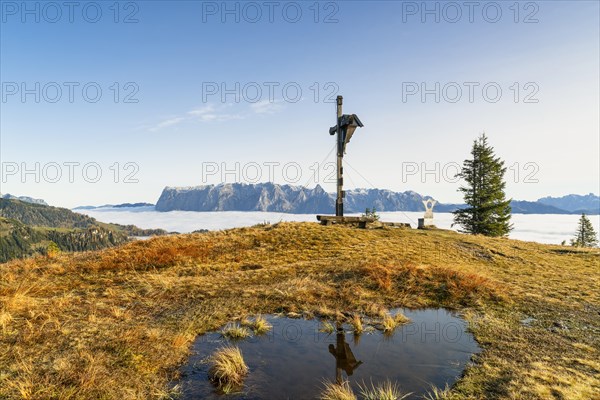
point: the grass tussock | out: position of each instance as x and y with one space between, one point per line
259 325
327 327
383 391
390 322
401 319
228 369
117 323
357 325
436 393
236 332
336 391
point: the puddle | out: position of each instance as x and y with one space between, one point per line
293 359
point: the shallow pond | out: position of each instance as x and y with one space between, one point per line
294 359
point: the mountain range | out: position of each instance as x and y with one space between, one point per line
301 200
124 205
282 198
576 204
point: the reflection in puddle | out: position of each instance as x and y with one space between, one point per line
344 358
295 357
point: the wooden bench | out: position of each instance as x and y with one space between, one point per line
361 222
332 219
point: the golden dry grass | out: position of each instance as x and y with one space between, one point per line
117 324
236 332
391 322
357 325
436 393
259 325
327 327
228 369
335 391
383 391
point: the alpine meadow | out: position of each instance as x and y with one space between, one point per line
299 200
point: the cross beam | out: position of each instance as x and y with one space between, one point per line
345 127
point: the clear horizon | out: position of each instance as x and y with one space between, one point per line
107 105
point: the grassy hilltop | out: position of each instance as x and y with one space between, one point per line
117 323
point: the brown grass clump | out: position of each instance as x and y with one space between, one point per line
259 325
336 391
236 332
389 322
357 325
383 391
401 319
436 393
327 327
228 369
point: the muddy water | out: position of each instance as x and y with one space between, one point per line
294 359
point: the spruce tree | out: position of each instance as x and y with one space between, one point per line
487 212
585 235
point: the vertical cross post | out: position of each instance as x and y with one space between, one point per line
339 203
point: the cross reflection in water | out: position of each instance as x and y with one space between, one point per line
344 358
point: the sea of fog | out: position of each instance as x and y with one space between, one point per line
542 228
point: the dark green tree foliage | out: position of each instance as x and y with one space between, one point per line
585 235
488 211
41 215
18 240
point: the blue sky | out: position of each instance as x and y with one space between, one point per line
545 125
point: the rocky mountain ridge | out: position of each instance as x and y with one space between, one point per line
271 197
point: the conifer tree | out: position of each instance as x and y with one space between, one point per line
487 212
585 235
